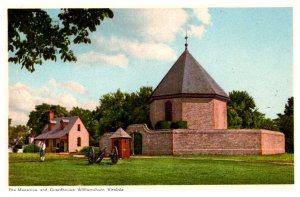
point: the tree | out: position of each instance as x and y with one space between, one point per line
285 123
33 36
242 113
38 118
120 109
17 134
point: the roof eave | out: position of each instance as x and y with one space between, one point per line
188 95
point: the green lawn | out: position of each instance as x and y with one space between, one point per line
26 170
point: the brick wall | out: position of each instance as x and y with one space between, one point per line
209 141
220 114
153 142
272 142
157 110
200 113
228 142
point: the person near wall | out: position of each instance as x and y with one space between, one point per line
42 150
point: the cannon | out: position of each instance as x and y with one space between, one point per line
97 158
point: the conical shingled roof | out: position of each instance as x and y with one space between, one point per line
120 133
187 78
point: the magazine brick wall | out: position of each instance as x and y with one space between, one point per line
200 113
272 142
213 141
219 114
153 142
157 110
227 142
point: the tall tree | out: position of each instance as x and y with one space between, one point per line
33 36
242 113
17 134
285 123
120 109
38 118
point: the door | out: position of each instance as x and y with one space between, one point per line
137 144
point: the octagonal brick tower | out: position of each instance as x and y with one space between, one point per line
189 93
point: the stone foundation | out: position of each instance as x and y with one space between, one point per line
210 141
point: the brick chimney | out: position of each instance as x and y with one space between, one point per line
51 121
51 115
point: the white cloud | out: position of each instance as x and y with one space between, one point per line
196 30
144 34
23 99
162 24
18 117
155 25
72 86
202 15
119 60
143 50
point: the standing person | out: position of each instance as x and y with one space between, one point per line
42 151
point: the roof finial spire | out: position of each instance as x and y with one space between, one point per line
186 37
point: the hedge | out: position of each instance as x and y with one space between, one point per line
30 148
163 124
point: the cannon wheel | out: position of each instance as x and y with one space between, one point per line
114 155
91 155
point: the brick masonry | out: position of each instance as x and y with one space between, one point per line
211 141
200 113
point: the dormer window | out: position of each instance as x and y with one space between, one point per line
63 123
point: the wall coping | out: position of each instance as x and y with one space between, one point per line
130 129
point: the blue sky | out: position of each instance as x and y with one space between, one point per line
241 48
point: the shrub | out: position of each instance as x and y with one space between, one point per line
181 124
163 124
30 148
85 149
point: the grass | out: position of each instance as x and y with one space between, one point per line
26 170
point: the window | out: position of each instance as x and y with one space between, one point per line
78 141
47 142
78 127
168 111
54 143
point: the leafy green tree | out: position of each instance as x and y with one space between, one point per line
33 36
240 107
138 107
242 113
112 111
17 134
38 118
120 109
285 123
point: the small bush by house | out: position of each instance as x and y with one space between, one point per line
181 124
163 124
30 148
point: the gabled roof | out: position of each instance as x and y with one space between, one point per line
120 133
187 78
56 131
